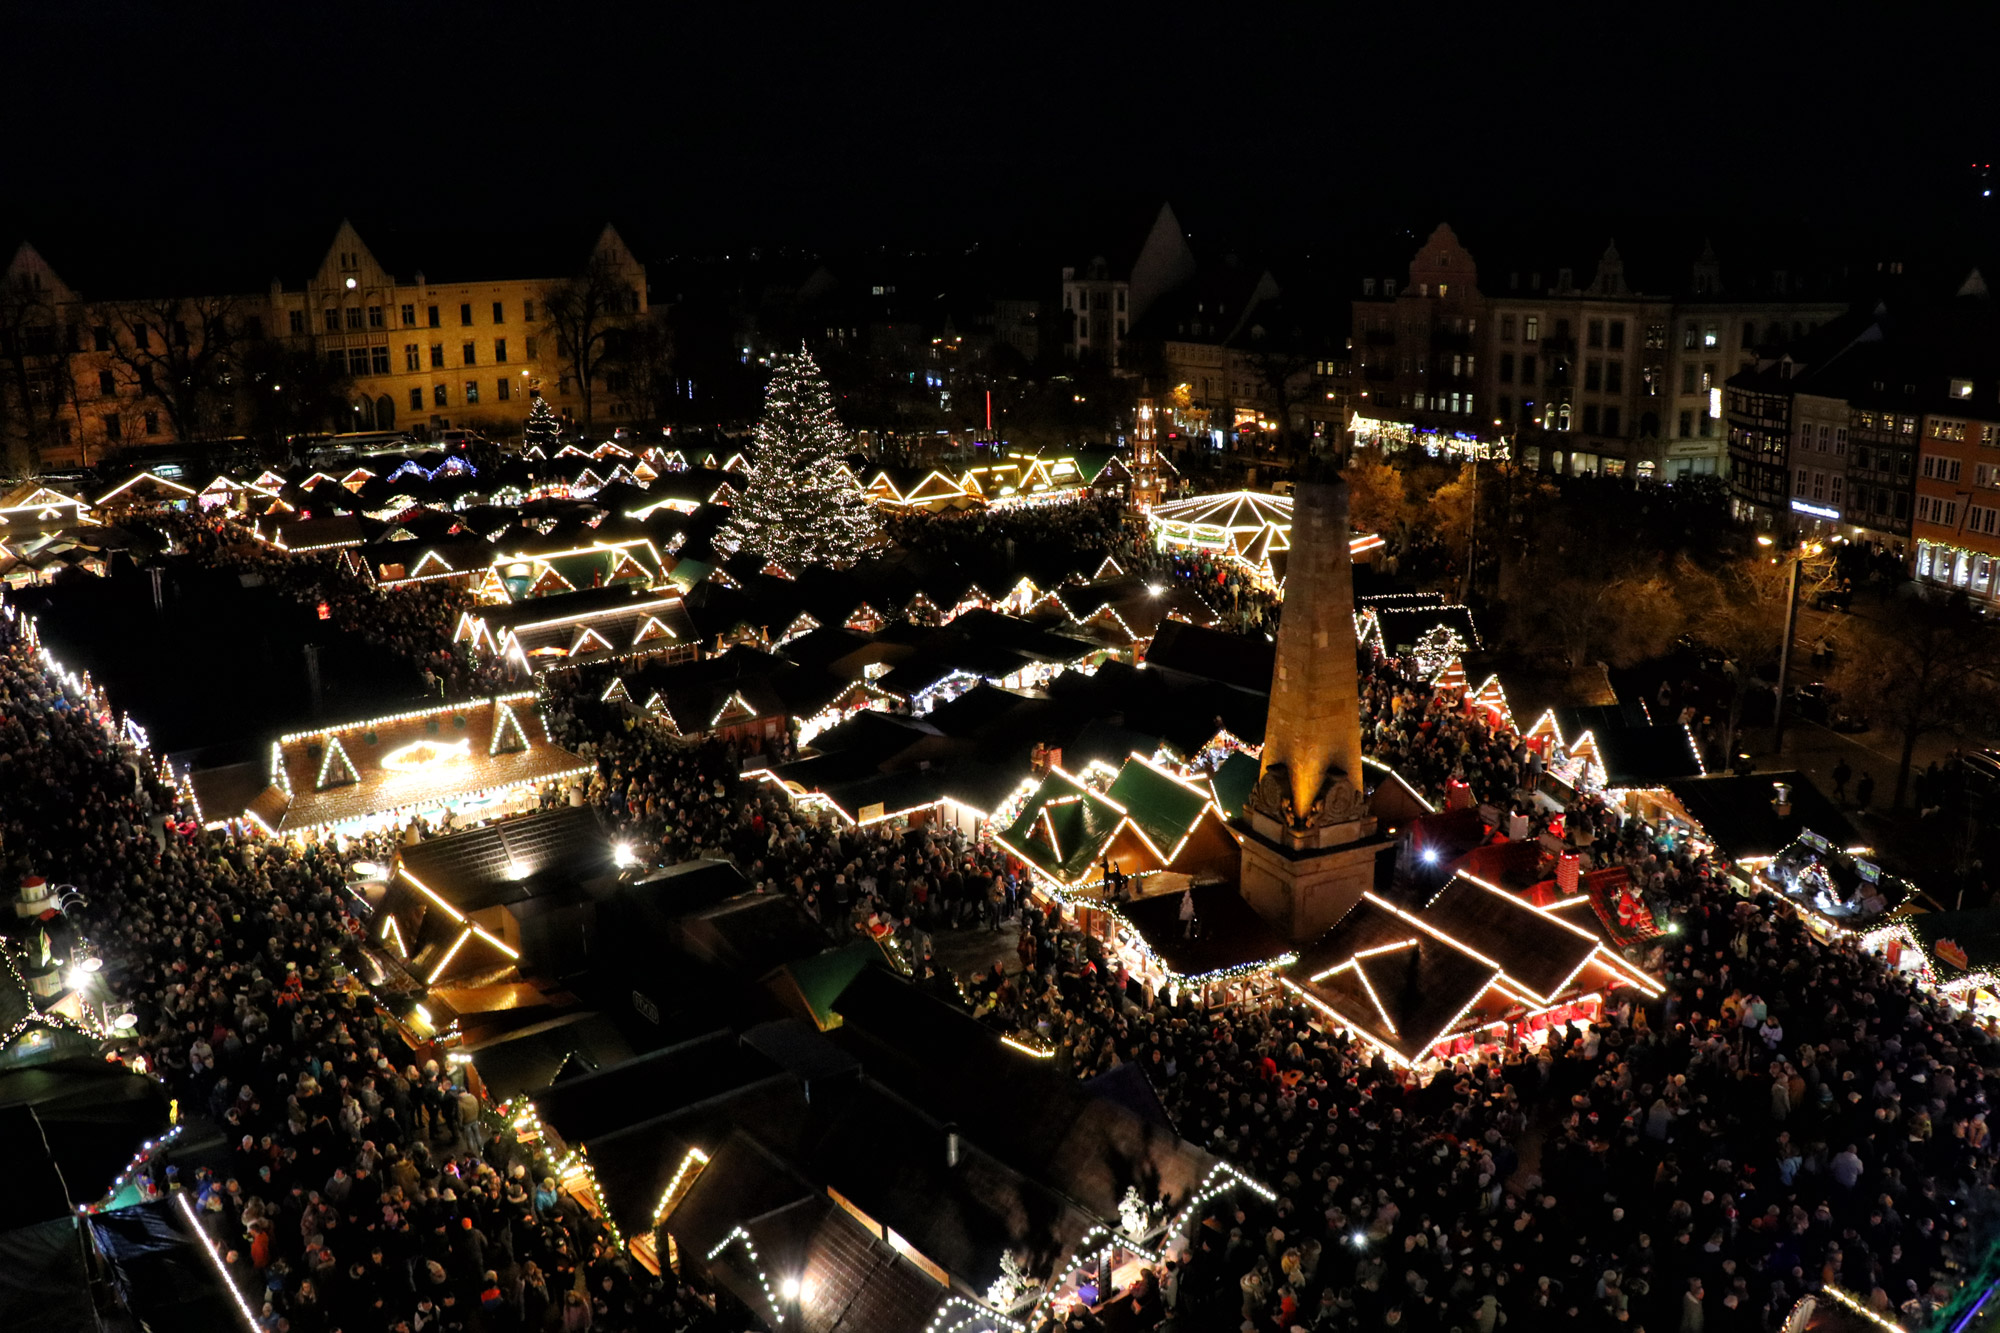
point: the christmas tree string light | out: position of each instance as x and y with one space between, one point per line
798 507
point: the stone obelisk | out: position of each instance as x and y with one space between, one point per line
1310 845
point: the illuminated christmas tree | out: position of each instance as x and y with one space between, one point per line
542 429
800 506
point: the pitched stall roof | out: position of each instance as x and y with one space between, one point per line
1408 979
1142 821
1025 1113
1233 937
511 858
1379 973
598 624
360 770
1740 815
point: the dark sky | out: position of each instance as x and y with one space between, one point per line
840 123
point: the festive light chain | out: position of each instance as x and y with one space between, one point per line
215 1261
695 1158
1040 1053
1862 1309
519 1111
391 719
139 1159
973 1312
1084 1251
756 1266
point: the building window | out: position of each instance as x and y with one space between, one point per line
499 313
374 316
1617 331
1506 367
1593 333
527 312
1614 377
503 388
107 385
437 356
112 428
378 359
1613 419
1709 336
440 396
1690 332
1688 371
1687 425
332 320
1506 328
357 360
470 351
298 323
465 314
1527 368
1531 328
1833 488
1121 300
472 393
1506 407
1707 426
1590 418
417 398
432 312
499 351
531 348
412 358
1593 377
409 316
354 318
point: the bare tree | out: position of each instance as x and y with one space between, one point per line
1921 668
642 357
178 351
584 311
40 387
286 389
1282 367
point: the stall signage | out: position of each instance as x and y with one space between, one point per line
1949 951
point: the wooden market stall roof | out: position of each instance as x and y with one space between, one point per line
381 766
1230 936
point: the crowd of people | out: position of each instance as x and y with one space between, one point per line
1787 1116
348 1185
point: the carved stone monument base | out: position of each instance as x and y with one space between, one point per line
1301 890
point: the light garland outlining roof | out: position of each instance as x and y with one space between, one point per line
756 1266
222 1274
1247 527
354 773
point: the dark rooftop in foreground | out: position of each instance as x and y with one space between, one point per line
220 663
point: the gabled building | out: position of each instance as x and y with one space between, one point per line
1106 294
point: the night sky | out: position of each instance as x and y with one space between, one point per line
778 124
